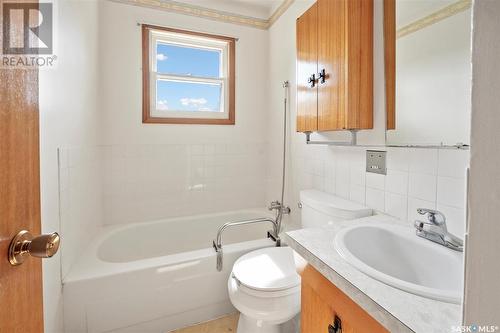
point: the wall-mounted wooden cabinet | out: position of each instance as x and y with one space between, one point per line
322 302
335 66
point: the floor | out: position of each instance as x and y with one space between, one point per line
221 325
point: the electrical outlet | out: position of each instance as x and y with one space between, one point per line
375 162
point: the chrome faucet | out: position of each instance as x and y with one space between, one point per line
280 211
276 205
435 230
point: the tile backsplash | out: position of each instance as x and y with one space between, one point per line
430 178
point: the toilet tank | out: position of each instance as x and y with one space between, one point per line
320 208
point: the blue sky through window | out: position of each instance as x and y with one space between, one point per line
181 60
187 96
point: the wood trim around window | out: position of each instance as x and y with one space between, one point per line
146 115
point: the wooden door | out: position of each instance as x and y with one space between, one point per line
20 286
332 58
307 65
322 301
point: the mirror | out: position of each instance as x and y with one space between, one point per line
428 71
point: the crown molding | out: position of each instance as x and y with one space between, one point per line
212 14
435 17
279 11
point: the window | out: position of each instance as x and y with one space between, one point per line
188 77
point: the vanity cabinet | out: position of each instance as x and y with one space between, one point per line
335 66
322 302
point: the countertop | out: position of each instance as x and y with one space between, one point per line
397 310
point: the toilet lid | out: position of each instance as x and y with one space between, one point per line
268 269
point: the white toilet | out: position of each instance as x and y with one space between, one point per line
264 285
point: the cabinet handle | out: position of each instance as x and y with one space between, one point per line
322 76
336 327
312 80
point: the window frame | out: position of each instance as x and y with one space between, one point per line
150 36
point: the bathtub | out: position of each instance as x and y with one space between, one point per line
156 276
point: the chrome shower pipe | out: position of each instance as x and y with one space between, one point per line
283 209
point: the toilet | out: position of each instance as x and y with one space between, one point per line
264 285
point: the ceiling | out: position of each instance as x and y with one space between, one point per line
262 9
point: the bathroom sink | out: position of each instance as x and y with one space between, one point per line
394 255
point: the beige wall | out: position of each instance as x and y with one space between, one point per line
482 296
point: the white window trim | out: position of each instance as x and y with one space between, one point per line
156 37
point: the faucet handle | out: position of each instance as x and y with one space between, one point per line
434 216
274 205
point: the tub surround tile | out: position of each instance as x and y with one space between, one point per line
397 310
80 200
146 182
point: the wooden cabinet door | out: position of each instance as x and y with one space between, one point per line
322 301
307 65
345 52
359 101
332 58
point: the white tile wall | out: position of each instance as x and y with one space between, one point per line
80 200
138 183
430 178
147 182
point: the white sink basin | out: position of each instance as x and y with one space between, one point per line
396 256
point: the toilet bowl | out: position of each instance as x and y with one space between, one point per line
264 285
265 288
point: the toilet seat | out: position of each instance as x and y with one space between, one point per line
265 288
268 272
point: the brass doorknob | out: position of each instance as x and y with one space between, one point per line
24 245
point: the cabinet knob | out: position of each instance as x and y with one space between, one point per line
322 76
312 80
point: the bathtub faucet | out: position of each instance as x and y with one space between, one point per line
280 211
217 244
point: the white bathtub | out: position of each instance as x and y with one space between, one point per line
156 276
